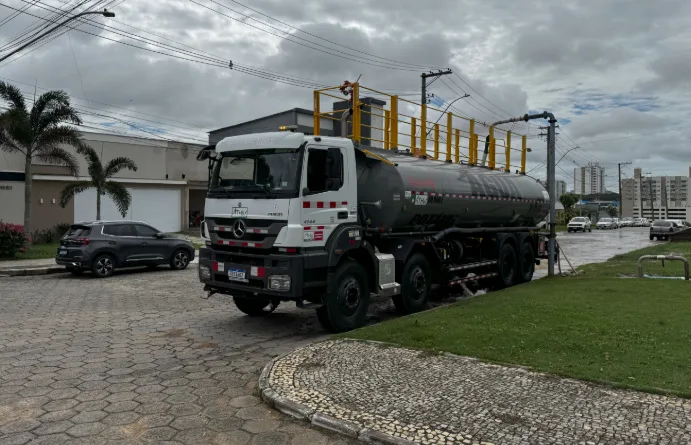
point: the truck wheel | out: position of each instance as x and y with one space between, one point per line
507 266
416 283
254 307
651 237
345 306
526 264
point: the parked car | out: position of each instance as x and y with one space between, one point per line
626 222
641 222
617 223
661 229
605 223
103 246
579 223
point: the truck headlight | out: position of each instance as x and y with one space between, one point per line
279 282
204 273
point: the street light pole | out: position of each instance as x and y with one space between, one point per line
445 110
104 13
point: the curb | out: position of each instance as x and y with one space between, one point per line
31 271
320 420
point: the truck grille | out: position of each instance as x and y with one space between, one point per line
228 233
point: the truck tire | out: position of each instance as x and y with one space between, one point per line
416 283
526 264
345 306
507 267
254 306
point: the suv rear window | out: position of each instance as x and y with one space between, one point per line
662 223
77 232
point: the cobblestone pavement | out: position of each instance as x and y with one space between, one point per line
140 358
444 399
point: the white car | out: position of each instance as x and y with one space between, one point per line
579 223
626 222
641 222
606 223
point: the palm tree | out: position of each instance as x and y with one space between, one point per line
38 134
99 180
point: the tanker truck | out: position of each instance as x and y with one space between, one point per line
329 224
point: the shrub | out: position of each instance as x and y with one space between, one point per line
13 239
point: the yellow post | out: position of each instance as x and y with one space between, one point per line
458 146
476 142
508 151
356 112
413 129
387 135
472 157
393 139
449 123
492 149
423 131
317 117
436 141
524 150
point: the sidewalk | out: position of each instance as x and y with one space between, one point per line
42 267
392 395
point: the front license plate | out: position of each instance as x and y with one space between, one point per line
236 275
62 253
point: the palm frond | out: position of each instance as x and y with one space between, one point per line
45 107
120 196
13 95
60 156
117 164
55 137
57 114
71 190
15 124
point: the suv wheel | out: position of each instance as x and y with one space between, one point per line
103 266
180 260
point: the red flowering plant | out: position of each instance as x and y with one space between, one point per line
13 239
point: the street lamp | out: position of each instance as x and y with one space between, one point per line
444 112
104 13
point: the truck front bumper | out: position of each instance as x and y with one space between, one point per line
214 268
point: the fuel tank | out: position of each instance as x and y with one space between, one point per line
434 194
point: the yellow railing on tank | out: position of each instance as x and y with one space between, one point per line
387 128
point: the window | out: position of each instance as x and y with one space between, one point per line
119 230
145 231
77 231
317 170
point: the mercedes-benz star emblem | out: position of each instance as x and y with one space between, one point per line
239 228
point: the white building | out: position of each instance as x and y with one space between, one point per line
560 187
656 197
168 184
589 180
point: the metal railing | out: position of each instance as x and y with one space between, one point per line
415 132
663 258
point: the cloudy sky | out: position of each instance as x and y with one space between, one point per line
614 72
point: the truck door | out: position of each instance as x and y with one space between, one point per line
328 193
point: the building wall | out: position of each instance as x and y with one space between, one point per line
589 180
269 123
560 187
45 205
11 201
657 197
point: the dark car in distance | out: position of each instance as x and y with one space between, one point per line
103 246
662 229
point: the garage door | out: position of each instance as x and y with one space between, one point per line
161 208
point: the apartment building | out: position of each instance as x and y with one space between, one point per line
656 197
589 180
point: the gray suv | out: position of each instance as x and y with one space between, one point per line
103 246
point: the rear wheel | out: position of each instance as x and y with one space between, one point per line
416 284
103 266
526 264
507 266
255 306
180 259
345 304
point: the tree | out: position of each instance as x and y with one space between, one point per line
99 180
38 134
612 211
568 200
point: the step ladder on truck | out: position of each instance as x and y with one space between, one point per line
329 222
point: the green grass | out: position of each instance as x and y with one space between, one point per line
626 332
35 252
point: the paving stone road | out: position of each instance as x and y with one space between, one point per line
140 358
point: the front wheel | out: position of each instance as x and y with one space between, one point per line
416 284
346 302
180 260
254 306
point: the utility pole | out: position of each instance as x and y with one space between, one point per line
425 76
621 203
104 13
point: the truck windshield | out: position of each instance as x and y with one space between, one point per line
258 172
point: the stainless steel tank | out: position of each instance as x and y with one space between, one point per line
435 194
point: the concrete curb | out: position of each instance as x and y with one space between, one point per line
31 271
317 419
